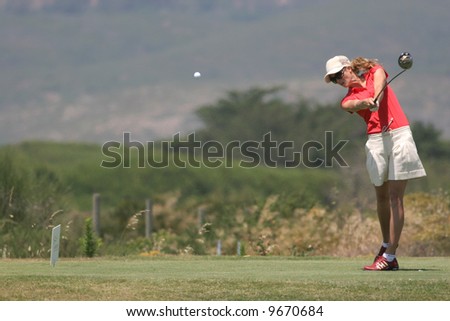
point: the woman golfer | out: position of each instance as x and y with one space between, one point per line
392 157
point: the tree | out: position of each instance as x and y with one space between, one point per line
428 140
246 115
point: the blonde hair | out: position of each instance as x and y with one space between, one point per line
360 64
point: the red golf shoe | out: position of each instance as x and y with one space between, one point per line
381 264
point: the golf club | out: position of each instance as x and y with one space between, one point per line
405 61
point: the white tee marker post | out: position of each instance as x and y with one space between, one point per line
56 232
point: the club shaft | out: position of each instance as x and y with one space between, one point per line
384 87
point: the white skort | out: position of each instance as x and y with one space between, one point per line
392 155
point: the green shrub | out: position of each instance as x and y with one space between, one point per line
90 243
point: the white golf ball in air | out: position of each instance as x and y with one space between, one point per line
197 74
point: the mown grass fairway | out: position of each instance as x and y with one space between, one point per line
223 278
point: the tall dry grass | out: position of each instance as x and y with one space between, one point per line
318 231
263 229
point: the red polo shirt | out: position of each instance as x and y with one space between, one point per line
390 115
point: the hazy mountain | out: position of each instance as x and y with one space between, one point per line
91 70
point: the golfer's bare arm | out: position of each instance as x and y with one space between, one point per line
357 105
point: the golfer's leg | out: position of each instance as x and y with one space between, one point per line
384 210
396 193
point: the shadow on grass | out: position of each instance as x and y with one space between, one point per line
417 270
407 270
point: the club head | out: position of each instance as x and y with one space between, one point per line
405 61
